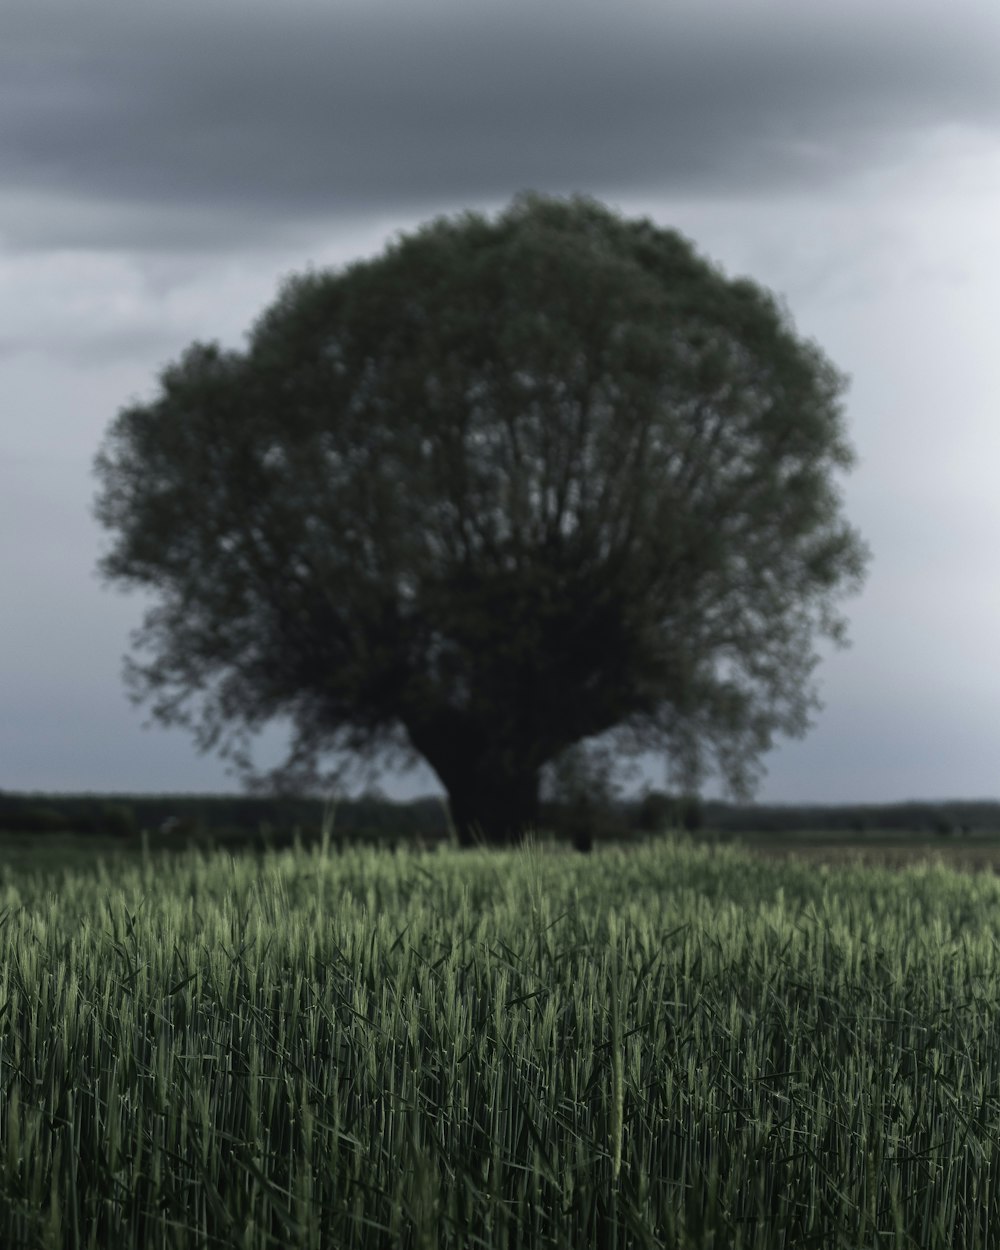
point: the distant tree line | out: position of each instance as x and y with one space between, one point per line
945 819
371 816
179 814
374 817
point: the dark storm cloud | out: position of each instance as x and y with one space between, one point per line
174 125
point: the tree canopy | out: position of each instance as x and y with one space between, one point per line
509 486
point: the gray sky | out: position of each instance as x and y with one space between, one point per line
164 166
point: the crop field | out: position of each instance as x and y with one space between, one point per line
671 1046
979 852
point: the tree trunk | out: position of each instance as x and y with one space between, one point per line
492 787
493 807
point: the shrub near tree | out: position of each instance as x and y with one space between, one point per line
513 485
658 811
583 796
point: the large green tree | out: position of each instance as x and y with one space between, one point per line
512 485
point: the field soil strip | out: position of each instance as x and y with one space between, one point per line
970 855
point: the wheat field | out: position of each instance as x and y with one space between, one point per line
674 1045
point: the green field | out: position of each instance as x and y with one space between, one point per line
673 1045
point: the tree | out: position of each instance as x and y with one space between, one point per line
511 485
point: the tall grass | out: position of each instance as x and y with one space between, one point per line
662 1047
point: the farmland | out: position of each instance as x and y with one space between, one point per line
676 1045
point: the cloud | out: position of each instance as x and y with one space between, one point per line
213 125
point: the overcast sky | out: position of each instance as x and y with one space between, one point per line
163 167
